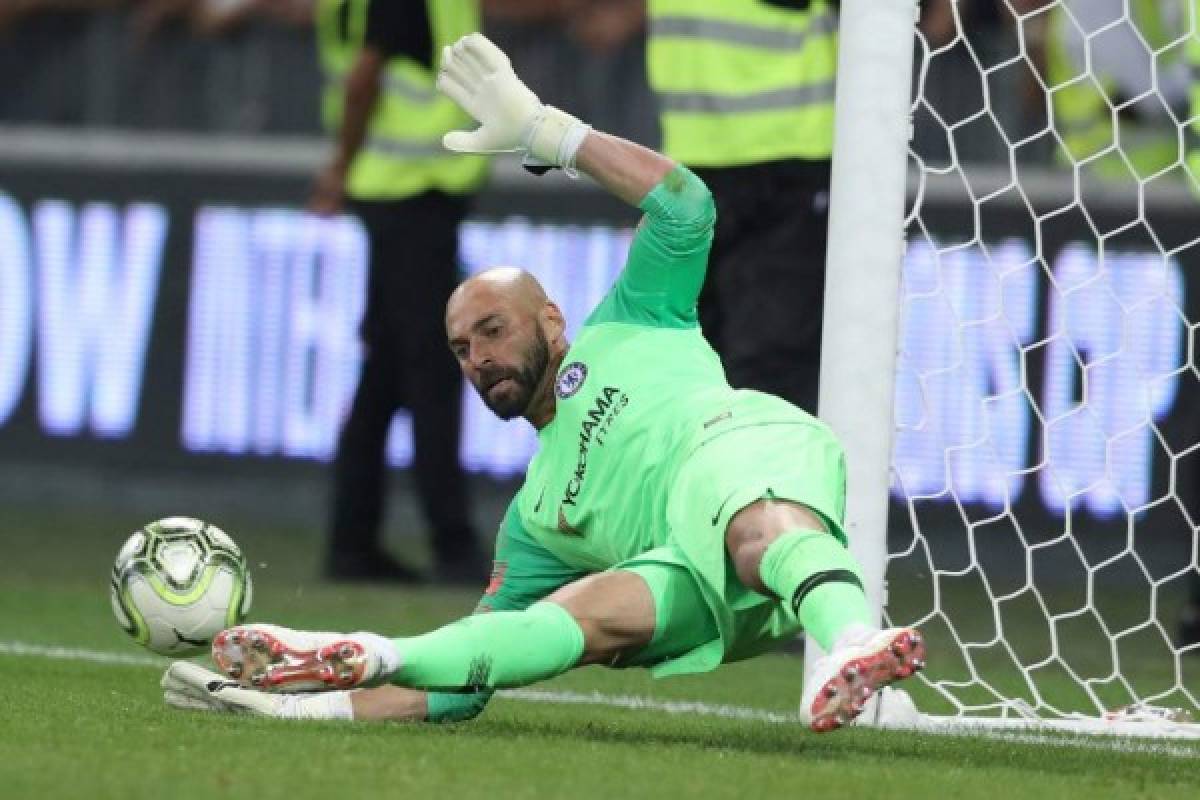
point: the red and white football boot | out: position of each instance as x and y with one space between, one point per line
843 681
277 659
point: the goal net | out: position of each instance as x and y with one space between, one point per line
1044 523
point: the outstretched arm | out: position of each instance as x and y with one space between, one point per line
362 87
479 77
624 168
661 282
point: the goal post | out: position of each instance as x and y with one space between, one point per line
866 245
863 260
1011 356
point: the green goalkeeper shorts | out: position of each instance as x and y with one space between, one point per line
686 639
705 615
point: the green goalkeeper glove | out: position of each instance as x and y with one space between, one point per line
479 77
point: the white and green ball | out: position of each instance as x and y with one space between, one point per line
177 582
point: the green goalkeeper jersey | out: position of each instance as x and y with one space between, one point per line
635 393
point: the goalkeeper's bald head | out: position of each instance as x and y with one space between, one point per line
508 338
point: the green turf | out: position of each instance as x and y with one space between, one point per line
78 729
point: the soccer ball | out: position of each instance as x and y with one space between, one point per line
176 583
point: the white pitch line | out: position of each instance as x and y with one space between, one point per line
78 654
634 702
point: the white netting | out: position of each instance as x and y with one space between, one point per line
1047 458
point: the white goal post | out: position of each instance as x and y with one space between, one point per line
1017 382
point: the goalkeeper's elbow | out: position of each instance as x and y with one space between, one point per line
684 201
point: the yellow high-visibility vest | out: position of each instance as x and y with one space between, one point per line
403 153
1083 112
742 81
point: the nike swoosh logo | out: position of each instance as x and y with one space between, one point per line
216 686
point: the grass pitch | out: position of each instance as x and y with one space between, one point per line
78 725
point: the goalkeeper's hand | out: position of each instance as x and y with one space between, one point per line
190 686
479 77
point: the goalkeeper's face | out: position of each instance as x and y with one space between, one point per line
508 389
498 334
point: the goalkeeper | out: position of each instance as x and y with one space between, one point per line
666 521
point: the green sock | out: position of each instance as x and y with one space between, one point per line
818 580
496 650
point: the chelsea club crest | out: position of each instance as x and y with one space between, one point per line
570 380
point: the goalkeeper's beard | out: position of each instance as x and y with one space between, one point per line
513 400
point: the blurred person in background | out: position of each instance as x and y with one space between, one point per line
1137 90
962 37
745 94
380 60
745 90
